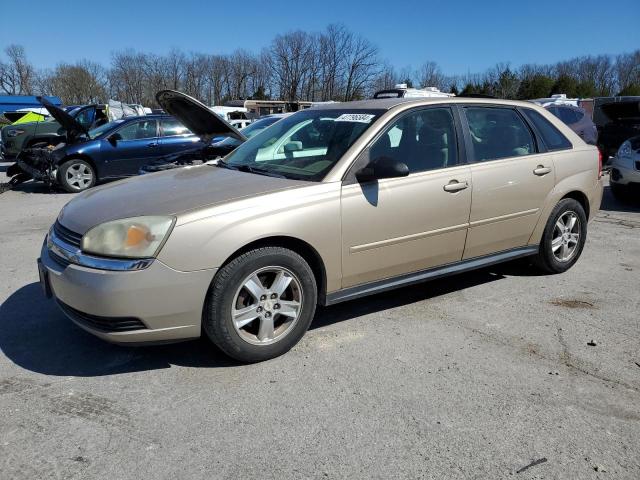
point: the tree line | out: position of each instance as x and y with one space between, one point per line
335 64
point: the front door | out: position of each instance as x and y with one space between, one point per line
135 145
401 225
175 137
511 180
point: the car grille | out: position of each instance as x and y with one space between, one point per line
103 324
66 235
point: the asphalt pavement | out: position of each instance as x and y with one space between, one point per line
492 374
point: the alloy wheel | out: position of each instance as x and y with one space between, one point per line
267 305
79 176
566 236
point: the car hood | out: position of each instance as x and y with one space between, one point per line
196 116
73 128
166 193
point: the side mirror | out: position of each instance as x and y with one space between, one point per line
114 137
382 167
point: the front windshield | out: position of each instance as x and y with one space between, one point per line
96 132
250 130
303 146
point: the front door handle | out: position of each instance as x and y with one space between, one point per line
455 186
541 170
152 145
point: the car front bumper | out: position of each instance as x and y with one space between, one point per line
154 305
625 171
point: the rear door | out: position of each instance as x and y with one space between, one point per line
511 178
402 225
136 145
175 137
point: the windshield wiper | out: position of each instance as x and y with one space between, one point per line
259 171
222 164
249 169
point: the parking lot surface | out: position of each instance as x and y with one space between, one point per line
491 374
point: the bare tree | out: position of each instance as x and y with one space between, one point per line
332 49
290 56
334 64
627 71
386 78
127 77
17 75
363 66
83 82
430 75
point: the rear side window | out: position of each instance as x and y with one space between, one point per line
566 114
551 136
498 133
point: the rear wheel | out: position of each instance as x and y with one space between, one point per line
76 175
563 238
260 304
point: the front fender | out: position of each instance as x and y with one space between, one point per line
207 238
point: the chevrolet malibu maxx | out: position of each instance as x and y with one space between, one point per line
327 205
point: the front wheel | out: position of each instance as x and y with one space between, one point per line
260 304
563 238
76 175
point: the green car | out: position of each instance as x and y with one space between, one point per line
49 131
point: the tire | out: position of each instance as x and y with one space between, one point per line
551 257
76 175
245 290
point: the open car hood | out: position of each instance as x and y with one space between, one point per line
617 111
73 128
196 116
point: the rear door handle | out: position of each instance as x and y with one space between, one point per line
541 170
455 186
152 145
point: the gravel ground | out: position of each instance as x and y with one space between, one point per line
476 376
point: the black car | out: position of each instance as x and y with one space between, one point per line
617 119
212 151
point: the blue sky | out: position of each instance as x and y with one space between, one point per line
463 36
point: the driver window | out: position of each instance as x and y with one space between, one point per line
138 130
423 140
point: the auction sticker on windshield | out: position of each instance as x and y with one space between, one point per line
355 117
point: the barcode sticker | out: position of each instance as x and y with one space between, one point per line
355 117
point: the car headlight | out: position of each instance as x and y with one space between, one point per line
14 132
625 150
136 237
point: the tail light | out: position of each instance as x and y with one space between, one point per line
599 164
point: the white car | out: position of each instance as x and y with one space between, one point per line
625 170
401 90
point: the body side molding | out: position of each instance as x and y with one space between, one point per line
378 286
